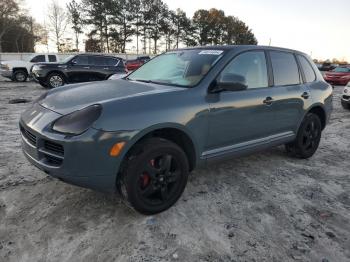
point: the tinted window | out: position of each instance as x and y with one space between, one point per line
97 60
307 69
285 68
250 65
112 61
81 60
38 59
52 58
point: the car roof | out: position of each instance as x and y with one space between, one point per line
242 48
102 55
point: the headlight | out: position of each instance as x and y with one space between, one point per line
79 121
5 66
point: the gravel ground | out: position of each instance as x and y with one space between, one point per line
264 207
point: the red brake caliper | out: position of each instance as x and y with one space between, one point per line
145 178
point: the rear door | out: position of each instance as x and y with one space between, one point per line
288 93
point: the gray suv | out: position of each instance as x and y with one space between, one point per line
142 135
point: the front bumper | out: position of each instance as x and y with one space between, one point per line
80 160
6 73
38 76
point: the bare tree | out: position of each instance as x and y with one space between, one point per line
57 21
8 13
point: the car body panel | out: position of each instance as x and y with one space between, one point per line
220 125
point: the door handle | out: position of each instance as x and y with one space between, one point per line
305 95
106 68
86 67
268 100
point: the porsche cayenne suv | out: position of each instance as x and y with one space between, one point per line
142 135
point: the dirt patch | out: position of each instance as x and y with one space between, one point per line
263 207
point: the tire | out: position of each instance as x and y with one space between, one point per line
54 80
345 105
308 138
154 176
20 76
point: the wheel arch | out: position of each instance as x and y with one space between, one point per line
20 68
318 110
176 133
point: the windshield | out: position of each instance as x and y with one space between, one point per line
342 70
181 68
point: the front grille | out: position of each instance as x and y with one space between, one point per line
54 147
49 152
28 135
52 160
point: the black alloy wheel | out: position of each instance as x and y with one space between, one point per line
155 176
308 137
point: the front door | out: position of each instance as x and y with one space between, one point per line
240 119
79 69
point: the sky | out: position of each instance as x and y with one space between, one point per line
319 28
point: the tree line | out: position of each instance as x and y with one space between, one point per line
18 30
112 25
115 23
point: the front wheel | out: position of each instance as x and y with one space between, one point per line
308 138
20 76
154 176
55 80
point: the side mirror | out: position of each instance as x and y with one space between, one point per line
73 62
231 82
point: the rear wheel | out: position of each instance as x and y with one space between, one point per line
308 138
55 80
345 105
154 175
20 76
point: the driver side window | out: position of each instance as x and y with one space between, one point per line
250 66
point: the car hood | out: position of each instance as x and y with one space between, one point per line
70 98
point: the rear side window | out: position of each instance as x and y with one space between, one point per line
112 61
285 68
251 66
38 59
97 61
52 58
309 73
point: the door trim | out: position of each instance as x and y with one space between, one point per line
247 145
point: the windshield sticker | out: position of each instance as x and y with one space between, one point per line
210 52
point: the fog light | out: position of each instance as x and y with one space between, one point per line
116 149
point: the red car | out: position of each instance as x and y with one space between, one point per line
132 65
338 76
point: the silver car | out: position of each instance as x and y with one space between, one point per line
345 98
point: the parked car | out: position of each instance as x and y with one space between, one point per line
327 66
132 65
18 70
338 76
143 134
76 69
345 99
